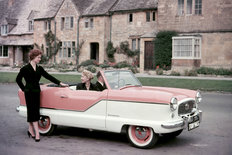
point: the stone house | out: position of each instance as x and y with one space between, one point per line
205 32
17 27
88 25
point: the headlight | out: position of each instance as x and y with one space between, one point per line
173 104
198 97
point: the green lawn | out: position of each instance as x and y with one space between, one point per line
203 85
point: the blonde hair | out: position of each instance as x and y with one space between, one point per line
88 74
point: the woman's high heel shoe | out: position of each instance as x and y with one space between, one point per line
29 135
37 140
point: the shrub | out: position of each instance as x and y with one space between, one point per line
190 73
124 46
212 71
110 50
159 71
87 63
163 48
174 73
91 68
122 64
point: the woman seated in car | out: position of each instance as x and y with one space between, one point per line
86 84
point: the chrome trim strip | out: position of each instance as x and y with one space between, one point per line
173 125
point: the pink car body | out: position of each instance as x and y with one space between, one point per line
144 112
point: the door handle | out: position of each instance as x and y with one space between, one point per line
63 96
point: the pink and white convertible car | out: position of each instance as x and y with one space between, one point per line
144 112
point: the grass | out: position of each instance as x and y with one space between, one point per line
194 84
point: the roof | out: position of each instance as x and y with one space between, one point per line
94 7
129 5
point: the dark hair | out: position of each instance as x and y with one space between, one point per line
34 53
98 74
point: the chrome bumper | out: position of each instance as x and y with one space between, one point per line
182 123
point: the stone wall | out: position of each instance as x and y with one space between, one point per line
216 16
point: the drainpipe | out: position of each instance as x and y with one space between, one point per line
110 25
78 50
55 42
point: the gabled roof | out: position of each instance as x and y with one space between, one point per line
99 7
130 5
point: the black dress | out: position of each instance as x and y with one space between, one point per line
99 86
32 88
81 86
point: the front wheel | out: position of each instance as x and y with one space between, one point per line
142 137
45 125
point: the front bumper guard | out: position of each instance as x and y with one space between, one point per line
182 123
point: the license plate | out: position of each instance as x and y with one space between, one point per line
193 125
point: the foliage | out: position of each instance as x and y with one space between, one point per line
212 71
163 48
52 43
124 46
91 68
159 71
110 50
174 73
190 73
88 62
122 64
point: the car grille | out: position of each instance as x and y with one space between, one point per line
186 107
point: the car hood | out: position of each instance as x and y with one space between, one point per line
150 94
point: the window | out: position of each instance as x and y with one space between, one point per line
133 44
73 48
130 17
3 51
67 23
186 47
153 16
86 23
189 7
198 7
47 25
4 29
180 7
139 44
71 22
91 22
31 25
148 16
62 23
67 49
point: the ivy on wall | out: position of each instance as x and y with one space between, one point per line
53 45
163 49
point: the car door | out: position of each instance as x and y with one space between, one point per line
89 107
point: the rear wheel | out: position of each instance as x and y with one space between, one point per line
45 125
142 137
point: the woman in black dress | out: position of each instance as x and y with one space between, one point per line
86 84
32 74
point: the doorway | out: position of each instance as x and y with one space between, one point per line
94 51
149 55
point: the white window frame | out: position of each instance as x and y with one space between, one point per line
2 51
182 47
180 7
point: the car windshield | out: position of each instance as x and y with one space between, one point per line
118 79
